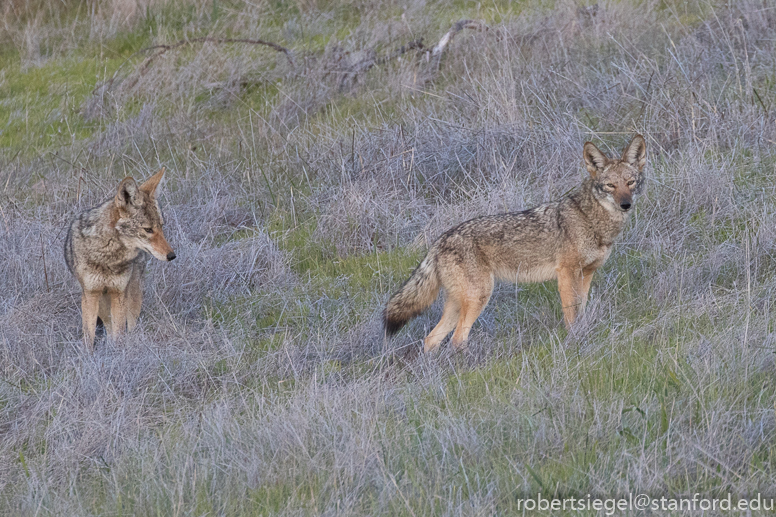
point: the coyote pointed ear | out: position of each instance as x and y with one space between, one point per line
636 153
149 185
127 193
595 160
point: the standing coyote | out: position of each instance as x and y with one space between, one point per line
567 239
105 249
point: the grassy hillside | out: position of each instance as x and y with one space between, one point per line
303 187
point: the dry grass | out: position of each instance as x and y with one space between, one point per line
299 195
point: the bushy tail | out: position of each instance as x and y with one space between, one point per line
415 296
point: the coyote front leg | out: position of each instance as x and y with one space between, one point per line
570 285
587 279
118 313
90 301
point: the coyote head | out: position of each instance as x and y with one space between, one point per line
137 218
616 182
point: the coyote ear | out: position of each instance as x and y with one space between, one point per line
127 193
149 185
635 154
595 160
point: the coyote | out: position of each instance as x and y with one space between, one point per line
566 239
105 249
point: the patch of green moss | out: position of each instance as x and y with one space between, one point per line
42 105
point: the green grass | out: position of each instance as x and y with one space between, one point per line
41 105
365 271
326 278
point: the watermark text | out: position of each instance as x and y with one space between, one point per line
612 505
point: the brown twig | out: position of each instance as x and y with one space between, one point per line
45 270
78 190
209 39
161 49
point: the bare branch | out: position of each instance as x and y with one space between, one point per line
455 29
208 39
161 49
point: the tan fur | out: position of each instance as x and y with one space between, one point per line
565 240
105 249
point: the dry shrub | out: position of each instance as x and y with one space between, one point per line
365 217
217 272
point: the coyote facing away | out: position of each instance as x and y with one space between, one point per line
105 249
566 239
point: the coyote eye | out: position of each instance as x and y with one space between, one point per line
631 182
149 230
610 185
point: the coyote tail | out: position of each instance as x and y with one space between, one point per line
415 296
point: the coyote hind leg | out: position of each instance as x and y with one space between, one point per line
471 308
445 325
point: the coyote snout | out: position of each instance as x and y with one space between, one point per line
623 198
567 240
158 245
105 250
622 195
